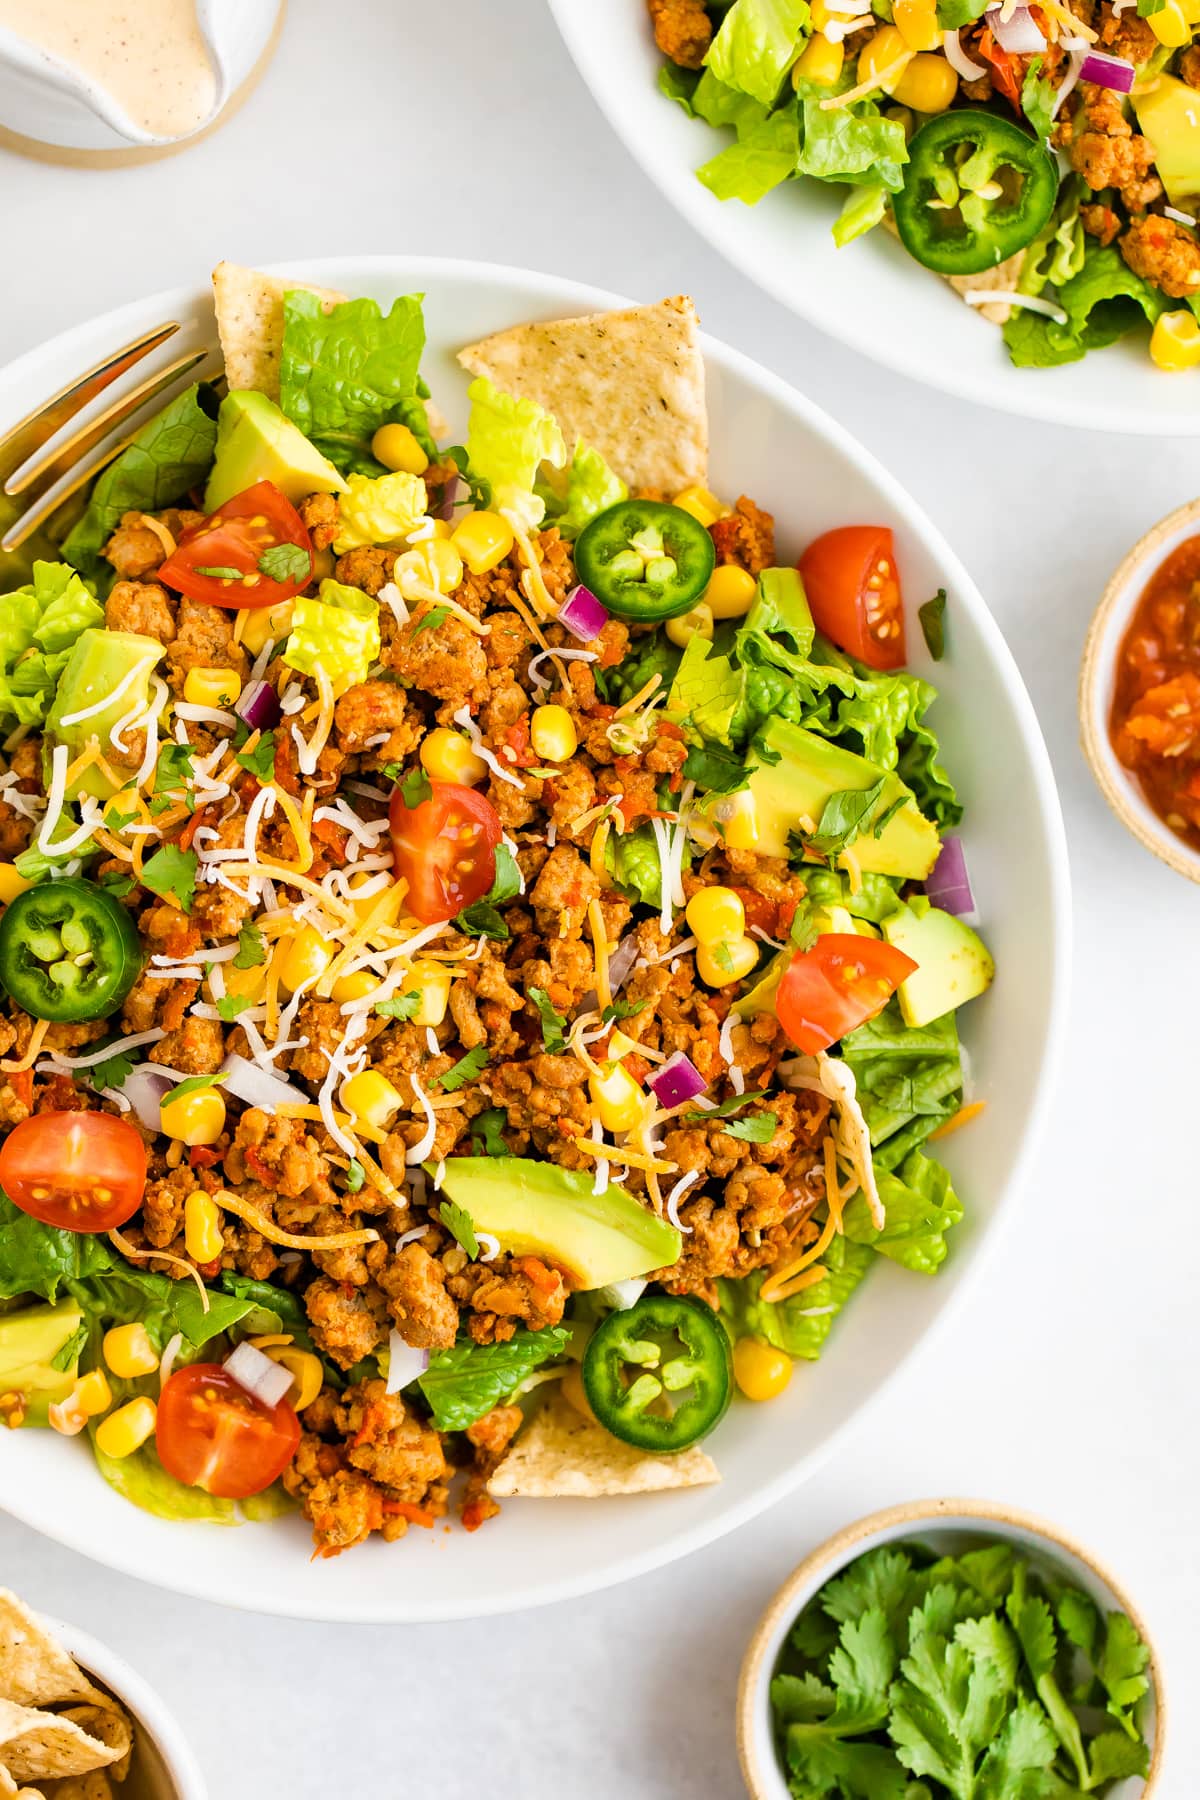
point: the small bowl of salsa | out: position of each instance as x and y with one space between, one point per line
1139 692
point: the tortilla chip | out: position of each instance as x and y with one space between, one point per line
93 1786
561 1455
631 384
1004 277
35 1746
108 1724
35 1670
249 309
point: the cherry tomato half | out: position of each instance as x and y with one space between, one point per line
253 551
212 1434
445 849
854 594
840 983
81 1171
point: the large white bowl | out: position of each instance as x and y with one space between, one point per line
871 294
773 444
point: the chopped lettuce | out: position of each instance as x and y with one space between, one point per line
169 455
755 45
852 143
39 625
337 632
591 487
909 1079
799 1325
764 155
632 859
1103 302
382 509
507 442
466 1381
653 654
873 898
920 1207
862 209
780 610
344 373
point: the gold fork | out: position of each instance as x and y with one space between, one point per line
32 482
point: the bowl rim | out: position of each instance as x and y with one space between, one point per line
1120 789
836 1551
185 301
150 1711
1003 391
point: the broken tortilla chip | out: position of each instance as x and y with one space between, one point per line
1003 278
36 1746
249 307
110 1726
35 1670
630 384
561 1455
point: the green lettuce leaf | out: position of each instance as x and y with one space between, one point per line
779 610
765 154
920 1207
464 1382
169 455
344 373
875 898
909 1079
863 209
653 654
507 442
718 104
799 1325
1103 302
755 45
39 624
632 860
591 488
852 143
337 632
952 15
679 85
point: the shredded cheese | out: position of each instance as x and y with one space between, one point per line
15 1067
963 1116
600 940
255 1217
133 1254
622 1153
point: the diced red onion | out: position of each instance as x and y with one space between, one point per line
258 705
264 1380
144 1088
445 507
678 1080
582 614
620 967
257 1087
1108 71
949 885
1018 34
405 1363
625 1294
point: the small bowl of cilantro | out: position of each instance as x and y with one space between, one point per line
950 1650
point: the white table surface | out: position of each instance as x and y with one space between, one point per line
1068 1387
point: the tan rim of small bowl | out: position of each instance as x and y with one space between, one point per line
1098 653
835 1552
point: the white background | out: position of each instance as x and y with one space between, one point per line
1068 1387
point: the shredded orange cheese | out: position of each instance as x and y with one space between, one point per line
600 940
341 1118
255 1217
643 693
963 1116
633 1159
14 1067
133 1254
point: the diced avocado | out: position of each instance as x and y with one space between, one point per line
102 663
954 963
258 442
1168 111
809 770
538 1209
30 1340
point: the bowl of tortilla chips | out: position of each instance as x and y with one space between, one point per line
77 1723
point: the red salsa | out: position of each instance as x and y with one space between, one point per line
1155 719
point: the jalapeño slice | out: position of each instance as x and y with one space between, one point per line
68 951
659 1375
644 559
976 190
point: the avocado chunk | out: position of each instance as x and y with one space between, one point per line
102 664
30 1340
1168 111
258 442
538 1209
808 772
954 963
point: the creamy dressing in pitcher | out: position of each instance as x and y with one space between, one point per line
147 54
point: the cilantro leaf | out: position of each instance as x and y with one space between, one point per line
355 1176
1115 1757
437 615
1037 100
1122 1669
844 817
193 1085
221 572
484 918
416 787
1031 1620
486 1128
399 1006
759 1129
286 562
802 932
933 624
552 1020
115 1071
465 1069
229 1006
726 1109
622 1009
460 1225
115 883
1024 1746
715 770
171 872
466 1381
252 946
174 773
261 760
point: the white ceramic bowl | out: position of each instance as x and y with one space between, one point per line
163 1766
773 444
871 294
947 1527
1097 680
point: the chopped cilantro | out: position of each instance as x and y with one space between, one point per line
252 947
437 615
726 1109
221 572
114 882
416 787
230 1005
261 760
802 932
486 1130
391 771
193 1085
933 624
460 1225
465 1069
355 1176
721 956
622 1009
171 872
399 1006
174 773
115 1071
285 562
716 770
759 1129
844 817
484 919
552 1020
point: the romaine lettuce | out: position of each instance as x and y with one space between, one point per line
920 1207
337 632
507 442
799 1325
591 487
466 1381
764 155
382 509
344 373
909 1079
862 209
1103 302
755 45
39 624
852 143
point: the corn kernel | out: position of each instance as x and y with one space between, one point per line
127 1429
129 1352
268 622
702 505
738 819
202 1227
731 592
719 965
303 1366
396 447
432 981
12 882
386 903
449 756
716 913
356 986
1175 340
1170 25
618 1099
552 733
619 1045
761 1371
211 687
436 563
245 983
92 1393
819 62
884 59
820 15
195 1118
371 1099
928 85
306 959
483 540
917 23
696 622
